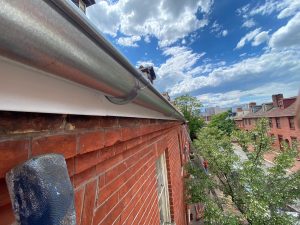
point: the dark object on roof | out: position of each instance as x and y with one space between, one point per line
149 72
89 2
86 2
166 96
41 191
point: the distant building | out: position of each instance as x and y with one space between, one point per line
210 111
148 72
83 4
240 113
281 113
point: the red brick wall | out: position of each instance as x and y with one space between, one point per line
111 163
285 130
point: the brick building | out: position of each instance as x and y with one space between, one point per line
68 91
281 113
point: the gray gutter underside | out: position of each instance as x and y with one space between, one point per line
56 37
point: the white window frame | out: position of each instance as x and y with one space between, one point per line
162 189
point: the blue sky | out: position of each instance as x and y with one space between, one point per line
223 52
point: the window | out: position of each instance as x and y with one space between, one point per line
245 121
249 121
292 123
280 140
277 122
294 140
270 123
162 188
180 147
280 103
273 138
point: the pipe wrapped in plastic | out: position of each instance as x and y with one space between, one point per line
41 191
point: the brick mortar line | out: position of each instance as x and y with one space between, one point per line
101 174
126 181
96 199
81 210
124 160
150 192
149 197
151 207
119 200
142 149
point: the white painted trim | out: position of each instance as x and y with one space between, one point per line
25 89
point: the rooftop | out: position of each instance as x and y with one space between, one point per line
288 108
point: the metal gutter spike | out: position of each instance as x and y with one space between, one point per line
56 37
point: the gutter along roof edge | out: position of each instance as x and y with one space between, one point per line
56 37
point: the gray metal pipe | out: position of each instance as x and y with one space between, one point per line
56 37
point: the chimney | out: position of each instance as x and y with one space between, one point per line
239 109
251 106
277 100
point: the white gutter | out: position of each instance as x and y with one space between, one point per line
54 36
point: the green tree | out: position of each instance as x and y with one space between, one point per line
190 108
259 193
223 122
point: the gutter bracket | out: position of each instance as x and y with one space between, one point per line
127 98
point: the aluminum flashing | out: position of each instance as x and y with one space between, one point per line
55 36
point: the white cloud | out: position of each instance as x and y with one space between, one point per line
290 10
144 63
247 38
236 97
105 17
224 33
288 35
215 27
129 41
254 37
261 38
284 8
218 29
252 69
268 7
147 39
243 11
167 20
249 23
178 66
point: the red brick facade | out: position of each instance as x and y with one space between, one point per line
111 163
281 114
285 131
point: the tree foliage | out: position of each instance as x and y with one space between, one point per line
190 108
223 123
260 193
